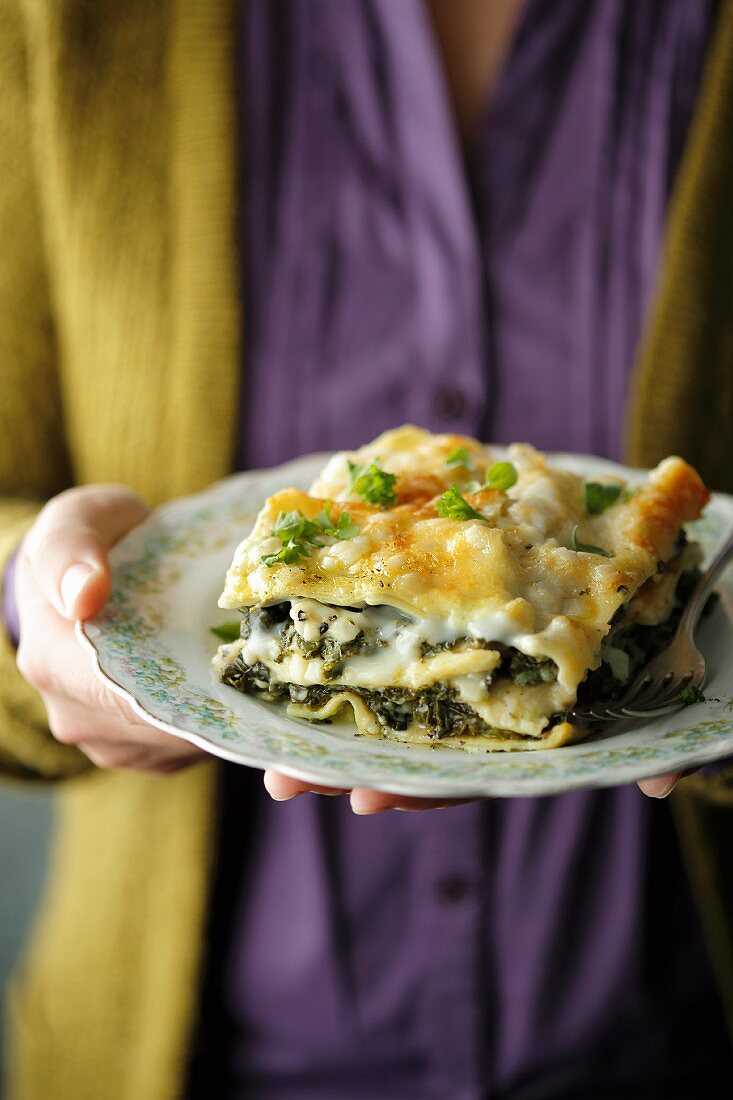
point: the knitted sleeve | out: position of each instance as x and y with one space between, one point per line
713 784
33 460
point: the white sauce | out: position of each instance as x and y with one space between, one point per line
471 688
313 621
495 625
398 661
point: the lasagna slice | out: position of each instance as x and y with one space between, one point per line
443 593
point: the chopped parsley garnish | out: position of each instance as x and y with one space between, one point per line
294 527
459 456
453 505
502 475
228 632
372 483
599 496
342 529
289 554
692 695
584 548
298 534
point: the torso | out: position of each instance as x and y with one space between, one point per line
512 946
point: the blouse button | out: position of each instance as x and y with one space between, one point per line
453 888
450 403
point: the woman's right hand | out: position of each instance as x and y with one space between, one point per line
62 574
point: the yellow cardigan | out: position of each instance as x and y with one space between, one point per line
119 360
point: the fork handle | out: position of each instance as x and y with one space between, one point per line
704 587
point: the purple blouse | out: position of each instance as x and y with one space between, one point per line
520 948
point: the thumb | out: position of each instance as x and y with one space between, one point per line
66 549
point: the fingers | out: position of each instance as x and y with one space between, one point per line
110 742
363 801
73 722
66 549
81 710
62 575
282 787
50 658
138 757
659 786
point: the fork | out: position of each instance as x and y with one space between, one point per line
660 687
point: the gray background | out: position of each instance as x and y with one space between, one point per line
26 813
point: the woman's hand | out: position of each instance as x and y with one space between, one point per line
62 574
364 801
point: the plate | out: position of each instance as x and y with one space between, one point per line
152 645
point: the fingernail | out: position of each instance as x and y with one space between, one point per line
73 583
283 797
363 808
666 789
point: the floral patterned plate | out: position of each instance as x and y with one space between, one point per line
152 645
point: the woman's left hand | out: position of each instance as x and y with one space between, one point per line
364 801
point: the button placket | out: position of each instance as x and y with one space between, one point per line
451 929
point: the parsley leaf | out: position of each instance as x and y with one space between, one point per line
289 554
294 527
342 529
460 457
298 534
598 496
692 695
453 505
584 548
372 483
228 632
502 475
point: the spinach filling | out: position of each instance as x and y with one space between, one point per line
526 670
435 709
276 618
331 652
515 665
641 643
